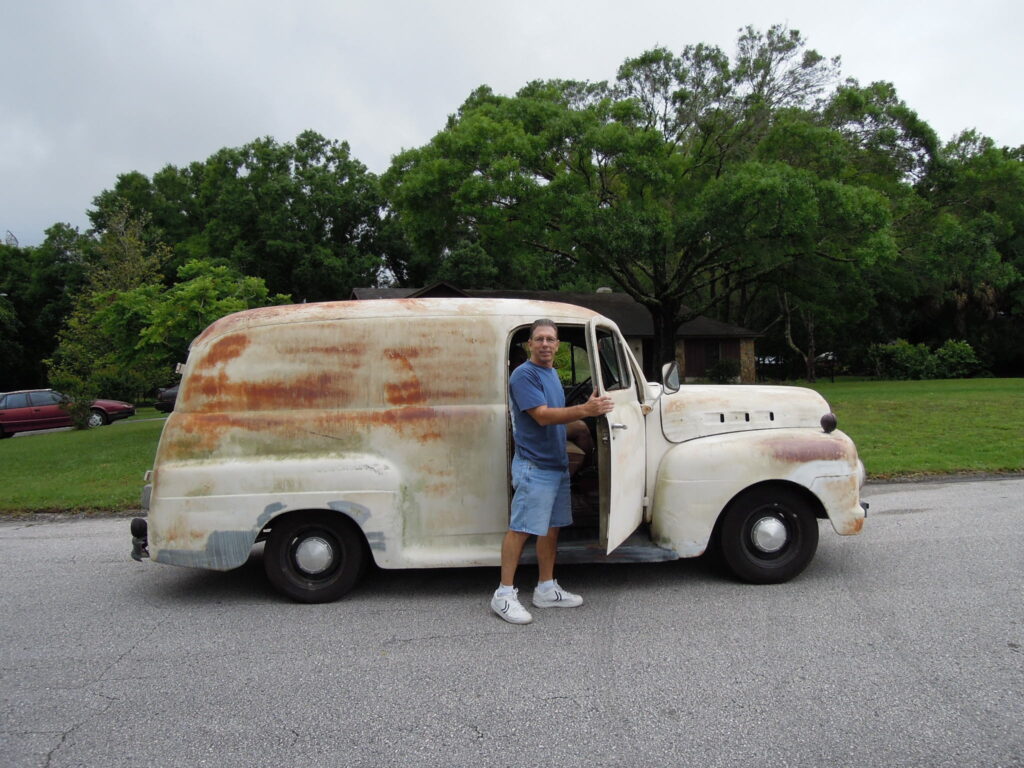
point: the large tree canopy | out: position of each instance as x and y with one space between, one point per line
971 254
303 216
665 180
755 187
38 286
126 329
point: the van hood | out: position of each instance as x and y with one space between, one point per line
699 411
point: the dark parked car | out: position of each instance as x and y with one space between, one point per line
165 399
32 409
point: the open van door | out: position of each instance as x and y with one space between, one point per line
621 434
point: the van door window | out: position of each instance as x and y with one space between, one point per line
614 368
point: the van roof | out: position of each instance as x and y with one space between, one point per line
526 310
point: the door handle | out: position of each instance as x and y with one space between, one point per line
619 426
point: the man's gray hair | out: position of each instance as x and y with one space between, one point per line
543 323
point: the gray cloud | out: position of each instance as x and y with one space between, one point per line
91 90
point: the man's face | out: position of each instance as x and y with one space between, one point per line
543 345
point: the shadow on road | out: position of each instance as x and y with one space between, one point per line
249 582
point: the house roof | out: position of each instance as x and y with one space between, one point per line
705 327
631 316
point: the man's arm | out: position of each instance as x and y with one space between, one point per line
597 405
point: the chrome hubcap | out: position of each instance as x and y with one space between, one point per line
314 555
768 534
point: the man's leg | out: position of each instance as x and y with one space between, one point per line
549 594
505 601
511 550
547 548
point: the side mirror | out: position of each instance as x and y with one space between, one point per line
670 376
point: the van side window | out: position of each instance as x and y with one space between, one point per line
614 369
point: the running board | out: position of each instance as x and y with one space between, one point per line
635 549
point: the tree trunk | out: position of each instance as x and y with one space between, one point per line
808 318
810 359
665 319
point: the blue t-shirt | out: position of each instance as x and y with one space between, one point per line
531 385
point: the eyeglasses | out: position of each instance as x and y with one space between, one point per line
545 339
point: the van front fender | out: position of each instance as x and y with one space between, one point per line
697 479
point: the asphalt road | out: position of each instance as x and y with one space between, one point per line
901 647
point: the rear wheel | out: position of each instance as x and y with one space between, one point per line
768 535
314 557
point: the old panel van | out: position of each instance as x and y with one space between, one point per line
345 432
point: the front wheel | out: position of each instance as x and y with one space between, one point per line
313 557
768 535
97 418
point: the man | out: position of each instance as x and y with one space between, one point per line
540 474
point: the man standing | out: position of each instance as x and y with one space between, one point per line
540 474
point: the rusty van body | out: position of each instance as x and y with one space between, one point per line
349 431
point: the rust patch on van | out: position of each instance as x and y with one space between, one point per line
226 348
208 386
405 393
409 391
438 489
404 354
202 435
401 419
802 450
352 355
219 392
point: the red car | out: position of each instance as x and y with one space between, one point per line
41 409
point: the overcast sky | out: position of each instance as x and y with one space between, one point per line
94 89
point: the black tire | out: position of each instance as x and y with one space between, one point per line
333 551
768 535
4 435
97 418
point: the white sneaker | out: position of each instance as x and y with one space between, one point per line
510 609
556 597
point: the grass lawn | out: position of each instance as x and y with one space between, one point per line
901 428
932 427
86 470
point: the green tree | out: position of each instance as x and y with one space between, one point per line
654 181
304 216
14 274
123 340
88 359
40 284
204 292
973 251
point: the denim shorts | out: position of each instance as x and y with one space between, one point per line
541 499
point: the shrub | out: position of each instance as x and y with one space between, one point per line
79 398
956 360
725 371
903 360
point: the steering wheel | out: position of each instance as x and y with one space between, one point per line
574 394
